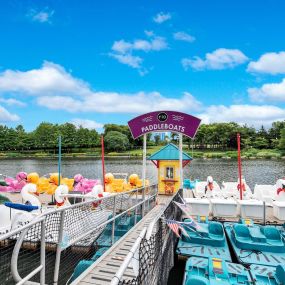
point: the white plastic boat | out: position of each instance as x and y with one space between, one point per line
13 218
207 189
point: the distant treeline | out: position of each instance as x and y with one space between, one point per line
118 137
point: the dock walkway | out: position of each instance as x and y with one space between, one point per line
103 270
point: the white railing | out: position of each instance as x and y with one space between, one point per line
157 230
51 240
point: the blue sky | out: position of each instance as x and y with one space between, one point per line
95 62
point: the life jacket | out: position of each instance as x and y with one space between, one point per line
59 204
242 187
97 203
279 190
210 186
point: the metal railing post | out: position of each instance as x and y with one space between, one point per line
148 200
43 253
143 204
136 210
58 248
264 213
114 221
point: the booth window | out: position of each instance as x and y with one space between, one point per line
169 173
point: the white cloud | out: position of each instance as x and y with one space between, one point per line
243 114
6 116
123 51
182 36
161 17
128 59
12 102
149 33
155 44
50 78
219 59
113 102
268 92
85 123
58 90
42 16
272 63
122 46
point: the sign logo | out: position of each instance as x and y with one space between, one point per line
162 117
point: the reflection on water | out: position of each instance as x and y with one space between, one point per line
255 171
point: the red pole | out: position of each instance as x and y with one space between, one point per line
239 166
103 161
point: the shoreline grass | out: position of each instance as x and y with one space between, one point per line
137 153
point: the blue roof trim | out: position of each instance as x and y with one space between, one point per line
169 152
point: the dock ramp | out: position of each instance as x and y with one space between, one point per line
145 253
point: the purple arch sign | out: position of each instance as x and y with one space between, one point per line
164 121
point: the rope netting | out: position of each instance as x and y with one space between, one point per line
156 254
79 231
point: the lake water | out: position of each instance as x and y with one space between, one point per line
255 171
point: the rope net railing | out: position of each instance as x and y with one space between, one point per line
70 235
156 253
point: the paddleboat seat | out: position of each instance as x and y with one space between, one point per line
242 233
211 234
216 231
272 235
280 273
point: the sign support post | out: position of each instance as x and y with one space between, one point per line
144 172
181 160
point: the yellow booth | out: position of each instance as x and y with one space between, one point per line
167 162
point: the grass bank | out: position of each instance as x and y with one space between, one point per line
136 153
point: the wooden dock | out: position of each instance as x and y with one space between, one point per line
103 270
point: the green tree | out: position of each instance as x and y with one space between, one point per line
260 143
46 136
68 136
116 141
157 139
282 140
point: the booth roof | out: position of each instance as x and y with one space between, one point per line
169 152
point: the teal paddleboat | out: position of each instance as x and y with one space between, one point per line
268 275
206 240
214 271
256 244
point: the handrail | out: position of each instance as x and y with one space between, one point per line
14 260
116 279
106 222
17 230
95 200
43 217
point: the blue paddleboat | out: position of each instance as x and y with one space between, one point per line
268 275
206 240
214 271
256 244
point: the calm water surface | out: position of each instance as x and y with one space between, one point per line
255 171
